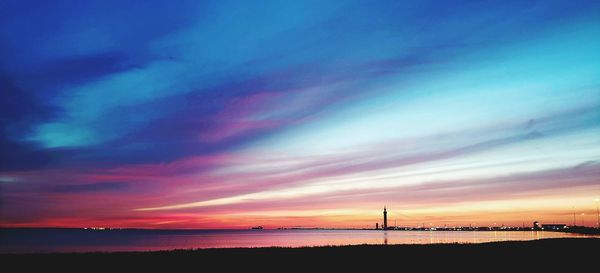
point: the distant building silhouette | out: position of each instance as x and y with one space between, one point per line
554 226
376 225
538 226
384 218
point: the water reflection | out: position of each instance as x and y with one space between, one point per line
385 238
142 240
430 237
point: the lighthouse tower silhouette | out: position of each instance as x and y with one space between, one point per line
384 218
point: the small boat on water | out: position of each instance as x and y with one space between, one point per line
258 227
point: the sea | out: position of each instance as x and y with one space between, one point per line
80 240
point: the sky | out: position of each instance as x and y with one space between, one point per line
232 114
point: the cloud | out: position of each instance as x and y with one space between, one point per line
424 195
93 187
231 104
298 178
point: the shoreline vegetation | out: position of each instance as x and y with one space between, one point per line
542 253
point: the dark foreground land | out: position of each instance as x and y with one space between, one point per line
556 254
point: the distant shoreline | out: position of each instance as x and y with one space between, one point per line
575 230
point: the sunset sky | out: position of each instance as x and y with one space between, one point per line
231 114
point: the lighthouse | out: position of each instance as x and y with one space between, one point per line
384 218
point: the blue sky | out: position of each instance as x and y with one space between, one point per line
204 107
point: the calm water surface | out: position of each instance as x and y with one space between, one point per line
73 240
